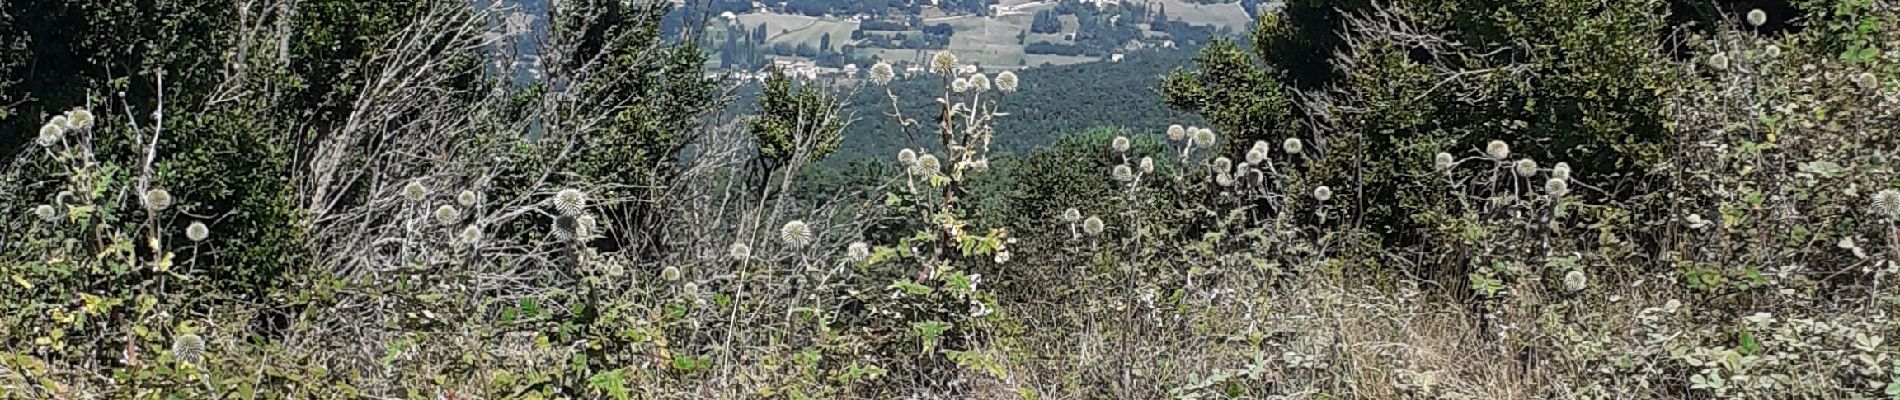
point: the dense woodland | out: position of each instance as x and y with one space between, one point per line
1411 199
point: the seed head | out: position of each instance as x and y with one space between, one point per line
1719 61
1443 161
46 212
907 156
414 190
570 201
1557 187
1006 82
1526 168
1498 150
670 274
1224 179
1223 165
78 119
1204 137
857 251
882 74
1123 173
1574 281
1176 132
1560 171
1867 80
1093 226
157 199
739 251
188 348
926 166
690 290
1322 193
1772 51
467 198
795 234
471 234
1888 202
447 214
1256 155
1120 144
1292 145
960 85
197 231
944 62
1757 17
980 82
1146 165
1071 215
50 134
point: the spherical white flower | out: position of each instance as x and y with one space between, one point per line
1443 161
197 231
46 213
1223 165
1757 17
78 119
795 234
471 234
857 251
414 190
1888 202
960 85
1526 168
569 201
1006 82
907 156
1557 187
188 348
670 274
1719 61
447 214
944 62
1560 171
467 198
1323 193
739 251
1224 179
980 83
1146 165
1120 144
1867 80
1574 281
1176 132
1093 226
1071 215
926 166
1497 150
1292 145
882 74
1772 51
50 134
1123 173
689 290
1256 155
1204 137
60 121
157 199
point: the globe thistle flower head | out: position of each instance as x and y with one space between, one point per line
907 156
1123 173
1323 193
197 231
1204 137
189 348
50 134
1256 155
1224 179
1557 187
1526 168
670 274
1772 51
1719 61
565 227
79 119
46 212
795 234
926 166
882 74
1497 150
1867 80
1223 165
471 234
1093 226
414 190
689 290
1176 133
1292 145
157 199
944 62
1757 17
1146 165
1443 161
1560 171
1006 82
980 83
447 214
1071 215
739 251
857 251
1574 281
467 198
569 201
1888 202
960 85
1120 144
61 122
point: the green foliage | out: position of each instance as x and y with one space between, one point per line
788 114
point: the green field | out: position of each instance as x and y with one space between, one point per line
798 29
